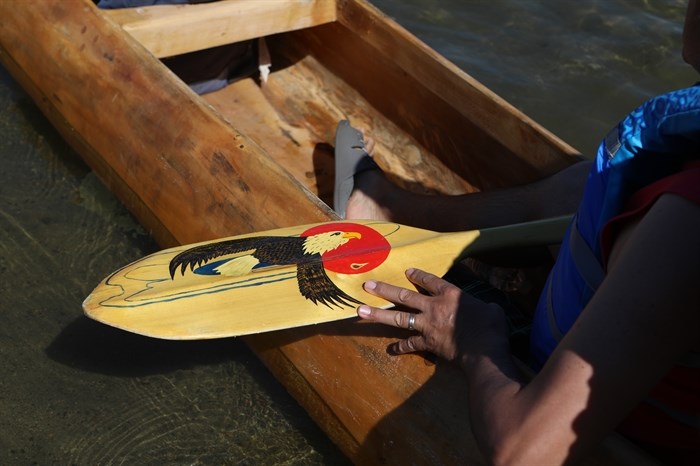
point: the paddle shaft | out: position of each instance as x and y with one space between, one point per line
438 252
536 233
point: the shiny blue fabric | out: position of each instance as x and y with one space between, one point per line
652 142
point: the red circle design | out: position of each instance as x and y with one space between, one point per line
358 255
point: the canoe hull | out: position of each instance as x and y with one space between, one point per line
194 169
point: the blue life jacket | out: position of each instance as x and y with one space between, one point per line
652 142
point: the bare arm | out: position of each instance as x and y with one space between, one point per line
643 317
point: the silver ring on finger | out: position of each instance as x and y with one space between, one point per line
411 322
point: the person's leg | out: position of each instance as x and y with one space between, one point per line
375 197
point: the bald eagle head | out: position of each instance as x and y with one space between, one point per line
328 241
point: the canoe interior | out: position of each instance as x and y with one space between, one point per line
326 73
293 118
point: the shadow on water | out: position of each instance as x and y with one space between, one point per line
89 346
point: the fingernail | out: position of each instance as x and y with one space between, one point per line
410 271
364 311
370 285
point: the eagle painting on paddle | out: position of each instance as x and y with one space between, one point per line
311 252
288 277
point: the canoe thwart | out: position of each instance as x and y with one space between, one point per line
167 30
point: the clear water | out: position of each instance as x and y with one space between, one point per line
75 392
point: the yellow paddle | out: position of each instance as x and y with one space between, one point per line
287 277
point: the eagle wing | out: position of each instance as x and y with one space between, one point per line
273 249
313 282
315 286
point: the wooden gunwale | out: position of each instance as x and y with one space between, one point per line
194 168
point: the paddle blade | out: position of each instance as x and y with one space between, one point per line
265 281
285 278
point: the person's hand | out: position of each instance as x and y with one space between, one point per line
450 323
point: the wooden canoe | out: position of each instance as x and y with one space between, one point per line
258 156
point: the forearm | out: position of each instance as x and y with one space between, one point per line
494 386
515 420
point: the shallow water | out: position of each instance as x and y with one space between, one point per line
75 392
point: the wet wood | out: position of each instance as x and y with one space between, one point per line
191 172
168 30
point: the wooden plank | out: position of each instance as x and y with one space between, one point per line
306 157
168 30
298 133
322 98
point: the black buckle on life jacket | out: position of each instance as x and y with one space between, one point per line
612 142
